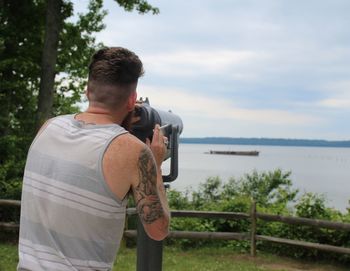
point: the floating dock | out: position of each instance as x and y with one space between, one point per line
249 153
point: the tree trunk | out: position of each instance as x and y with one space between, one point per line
48 60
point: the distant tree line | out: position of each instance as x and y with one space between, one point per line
267 142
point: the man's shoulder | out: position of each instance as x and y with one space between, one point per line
120 163
129 139
121 159
126 144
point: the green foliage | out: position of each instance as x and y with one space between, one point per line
313 205
268 188
233 196
208 193
19 69
22 27
178 200
140 5
273 193
21 42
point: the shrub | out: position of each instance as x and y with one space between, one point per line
274 194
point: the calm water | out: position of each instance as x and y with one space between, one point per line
319 170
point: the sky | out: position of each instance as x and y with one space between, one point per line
242 68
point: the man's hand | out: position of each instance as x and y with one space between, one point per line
157 145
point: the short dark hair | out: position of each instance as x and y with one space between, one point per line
113 72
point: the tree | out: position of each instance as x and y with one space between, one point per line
140 5
22 35
20 39
54 20
53 25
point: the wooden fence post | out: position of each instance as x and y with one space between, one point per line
253 229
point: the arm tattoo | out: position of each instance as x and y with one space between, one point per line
147 200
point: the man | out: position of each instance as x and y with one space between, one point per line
80 169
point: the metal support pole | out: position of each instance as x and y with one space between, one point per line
149 252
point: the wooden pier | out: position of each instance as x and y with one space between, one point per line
249 153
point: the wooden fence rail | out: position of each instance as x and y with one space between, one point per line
10 202
305 222
251 235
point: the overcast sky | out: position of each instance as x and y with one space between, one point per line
243 68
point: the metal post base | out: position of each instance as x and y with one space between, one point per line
149 251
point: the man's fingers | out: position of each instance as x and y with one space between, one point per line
156 133
158 144
165 140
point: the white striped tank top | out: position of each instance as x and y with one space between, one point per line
70 219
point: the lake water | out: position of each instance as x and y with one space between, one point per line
319 170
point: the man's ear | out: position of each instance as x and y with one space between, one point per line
132 101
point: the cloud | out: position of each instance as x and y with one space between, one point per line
267 68
187 103
335 103
337 95
198 62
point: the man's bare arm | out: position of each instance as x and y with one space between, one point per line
147 201
150 197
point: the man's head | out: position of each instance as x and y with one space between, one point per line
113 76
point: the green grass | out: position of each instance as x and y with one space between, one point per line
8 257
203 259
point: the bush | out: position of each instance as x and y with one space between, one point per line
273 194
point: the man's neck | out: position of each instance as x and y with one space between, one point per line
96 115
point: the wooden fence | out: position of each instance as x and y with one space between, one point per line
251 236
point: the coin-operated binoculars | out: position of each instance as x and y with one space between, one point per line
171 126
149 251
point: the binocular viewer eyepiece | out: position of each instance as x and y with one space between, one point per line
171 126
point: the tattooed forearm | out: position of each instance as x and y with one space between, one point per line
147 200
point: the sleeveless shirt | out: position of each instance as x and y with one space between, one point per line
70 219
